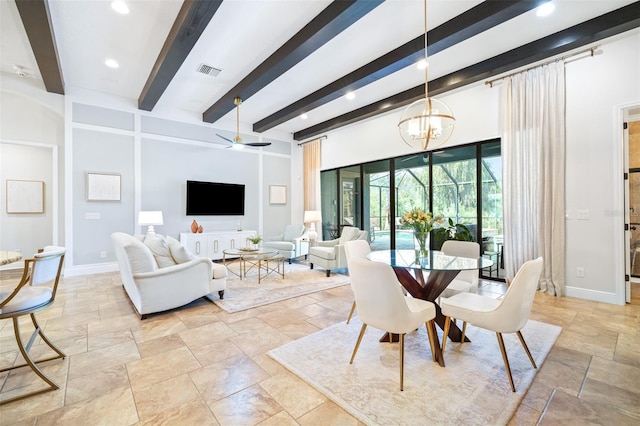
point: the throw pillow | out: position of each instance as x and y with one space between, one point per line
160 249
179 252
140 257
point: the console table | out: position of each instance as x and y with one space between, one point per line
213 244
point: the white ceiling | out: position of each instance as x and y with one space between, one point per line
245 32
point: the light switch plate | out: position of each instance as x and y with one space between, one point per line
92 216
582 214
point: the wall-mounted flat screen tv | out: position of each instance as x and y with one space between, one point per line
214 199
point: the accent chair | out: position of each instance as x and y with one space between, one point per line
330 254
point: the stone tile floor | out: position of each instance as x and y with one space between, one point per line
200 365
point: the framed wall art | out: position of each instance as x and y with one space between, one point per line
103 187
25 196
277 194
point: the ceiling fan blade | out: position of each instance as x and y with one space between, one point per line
257 143
226 139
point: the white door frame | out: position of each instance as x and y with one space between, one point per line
621 198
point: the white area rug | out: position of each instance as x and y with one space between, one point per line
298 280
472 389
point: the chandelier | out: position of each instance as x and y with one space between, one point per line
426 123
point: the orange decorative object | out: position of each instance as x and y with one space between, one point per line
200 229
194 227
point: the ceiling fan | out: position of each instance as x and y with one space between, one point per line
237 140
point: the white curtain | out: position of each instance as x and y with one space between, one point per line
533 161
312 163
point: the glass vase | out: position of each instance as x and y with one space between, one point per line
421 243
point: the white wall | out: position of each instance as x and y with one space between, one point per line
596 89
31 129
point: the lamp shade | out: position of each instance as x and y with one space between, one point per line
150 218
311 216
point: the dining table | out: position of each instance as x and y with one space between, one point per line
441 269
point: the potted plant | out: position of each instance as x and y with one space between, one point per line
255 241
451 231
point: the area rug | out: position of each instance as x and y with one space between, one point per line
298 280
472 389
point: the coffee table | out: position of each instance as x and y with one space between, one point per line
264 260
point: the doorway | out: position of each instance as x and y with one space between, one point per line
633 192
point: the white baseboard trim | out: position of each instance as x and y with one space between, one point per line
97 268
595 295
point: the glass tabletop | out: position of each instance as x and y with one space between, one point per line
436 261
262 251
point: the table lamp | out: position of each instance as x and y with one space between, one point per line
311 217
150 218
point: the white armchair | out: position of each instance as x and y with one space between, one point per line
160 274
330 254
292 243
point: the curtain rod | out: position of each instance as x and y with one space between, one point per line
311 140
592 51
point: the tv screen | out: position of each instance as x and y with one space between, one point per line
214 199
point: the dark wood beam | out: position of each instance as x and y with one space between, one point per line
193 18
462 27
335 18
604 26
37 23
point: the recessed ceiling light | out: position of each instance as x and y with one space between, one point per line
304 116
545 9
350 95
422 64
111 63
120 7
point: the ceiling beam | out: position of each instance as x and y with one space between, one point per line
462 27
604 26
37 23
334 19
193 18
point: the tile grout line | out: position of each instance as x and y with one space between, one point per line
546 407
584 380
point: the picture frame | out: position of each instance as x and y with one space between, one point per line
103 187
24 196
277 194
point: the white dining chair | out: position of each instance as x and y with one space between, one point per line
356 249
465 281
381 304
506 315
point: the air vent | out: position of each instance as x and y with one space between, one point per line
209 70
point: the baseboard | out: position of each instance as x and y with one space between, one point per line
595 295
97 268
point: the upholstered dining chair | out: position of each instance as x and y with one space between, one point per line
506 315
356 249
35 291
381 304
465 280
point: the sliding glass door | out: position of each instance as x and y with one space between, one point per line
455 192
377 201
463 183
412 190
491 184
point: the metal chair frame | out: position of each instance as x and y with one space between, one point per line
30 269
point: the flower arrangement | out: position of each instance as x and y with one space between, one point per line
420 221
